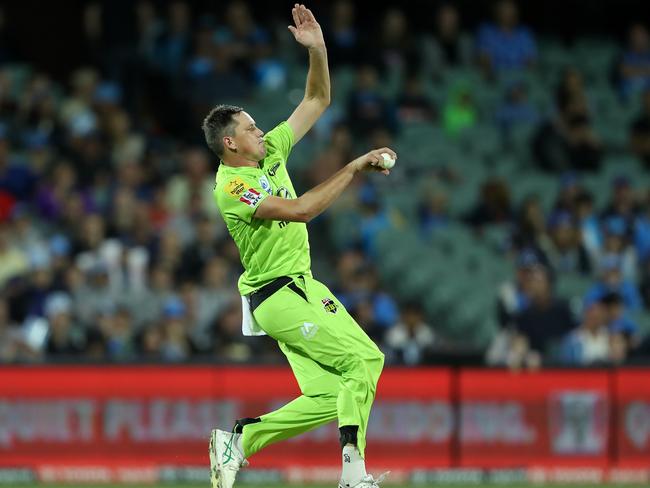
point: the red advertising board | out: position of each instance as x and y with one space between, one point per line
135 421
152 416
550 418
633 418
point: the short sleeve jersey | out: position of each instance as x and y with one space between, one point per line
268 249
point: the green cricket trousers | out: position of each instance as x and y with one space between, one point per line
336 364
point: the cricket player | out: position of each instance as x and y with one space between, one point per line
335 363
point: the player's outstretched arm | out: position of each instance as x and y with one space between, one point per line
307 32
316 200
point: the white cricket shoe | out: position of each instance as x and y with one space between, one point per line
366 482
225 458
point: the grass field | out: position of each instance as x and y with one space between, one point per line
453 485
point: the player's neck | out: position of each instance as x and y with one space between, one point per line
239 162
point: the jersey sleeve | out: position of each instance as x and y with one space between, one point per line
239 197
279 140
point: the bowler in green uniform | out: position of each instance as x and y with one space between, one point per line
335 363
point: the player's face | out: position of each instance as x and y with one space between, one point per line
248 138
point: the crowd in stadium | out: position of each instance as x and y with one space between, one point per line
112 248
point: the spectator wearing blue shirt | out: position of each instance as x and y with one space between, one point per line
342 35
17 181
506 45
634 68
588 343
611 280
174 45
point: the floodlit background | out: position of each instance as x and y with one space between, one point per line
511 239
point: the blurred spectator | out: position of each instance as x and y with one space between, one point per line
29 295
412 104
367 108
570 188
146 305
589 343
516 109
342 35
116 326
505 44
360 284
433 211
641 236
640 132
13 261
567 141
375 217
65 338
149 343
201 251
588 224
617 318
173 46
459 111
9 335
17 180
622 208
126 145
176 344
530 231
617 243
634 67
364 314
547 318
210 73
611 280
197 178
447 46
246 46
215 293
231 345
337 153
76 110
645 283
513 298
395 48
567 255
493 206
570 90
411 339
95 294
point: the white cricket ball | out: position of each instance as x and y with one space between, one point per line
388 161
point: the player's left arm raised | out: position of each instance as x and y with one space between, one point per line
307 32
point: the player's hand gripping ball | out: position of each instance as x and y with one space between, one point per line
388 161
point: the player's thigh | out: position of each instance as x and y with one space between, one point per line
316 324
342 325
314 379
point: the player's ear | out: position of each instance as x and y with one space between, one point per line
229 143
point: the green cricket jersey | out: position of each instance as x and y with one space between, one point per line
268 248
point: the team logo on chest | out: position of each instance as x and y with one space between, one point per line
266 186
329 305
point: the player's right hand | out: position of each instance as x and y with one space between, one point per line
370 160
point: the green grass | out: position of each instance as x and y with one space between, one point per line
333 485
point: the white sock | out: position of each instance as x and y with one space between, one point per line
354 466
